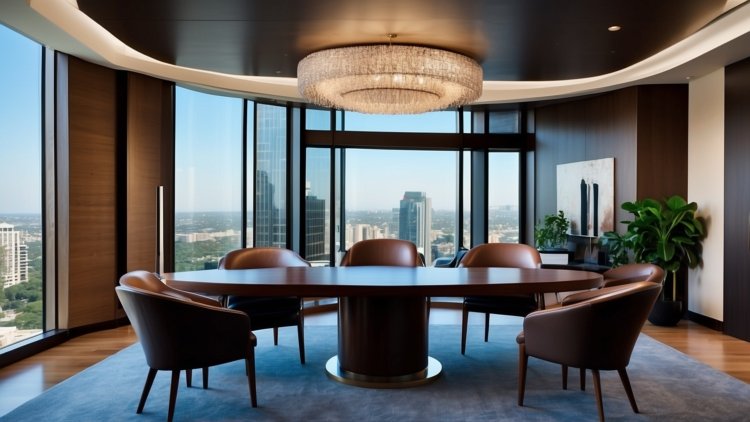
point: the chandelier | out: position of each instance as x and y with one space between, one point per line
389 79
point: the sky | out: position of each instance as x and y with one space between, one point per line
20 124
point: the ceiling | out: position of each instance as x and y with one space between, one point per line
528 49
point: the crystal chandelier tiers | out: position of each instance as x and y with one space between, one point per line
389 79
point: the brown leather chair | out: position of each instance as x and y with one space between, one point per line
144 280
178 332
630 273
620 276
382 252
268 312
598 333
513 255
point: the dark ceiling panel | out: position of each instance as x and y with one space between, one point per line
512 39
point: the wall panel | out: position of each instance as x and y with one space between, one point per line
737 200
149 163
92 196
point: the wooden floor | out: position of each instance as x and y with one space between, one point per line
28 378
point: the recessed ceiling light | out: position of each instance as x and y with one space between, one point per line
614 28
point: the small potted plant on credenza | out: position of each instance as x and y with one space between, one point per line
666 233
551 237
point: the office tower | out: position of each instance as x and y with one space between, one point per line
270 222
315 229
14 256
270 177
415 222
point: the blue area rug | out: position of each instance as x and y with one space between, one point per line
480 386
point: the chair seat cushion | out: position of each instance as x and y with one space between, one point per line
518 305
267 312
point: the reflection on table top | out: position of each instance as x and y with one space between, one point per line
382 281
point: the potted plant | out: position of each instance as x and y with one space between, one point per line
666 233
552 238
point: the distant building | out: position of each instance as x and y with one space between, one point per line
415 222
315 225
14 256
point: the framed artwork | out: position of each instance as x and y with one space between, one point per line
586 194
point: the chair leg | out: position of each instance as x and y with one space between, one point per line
146 389
189 377
464 322
301 337
523 362
486 326
598 393
628 389
250 369
565 377
205 377
173 393
275 336
583 378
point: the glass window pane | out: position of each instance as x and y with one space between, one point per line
434 122
467 122
21 236
402 195
503 197
466 241
317 204
208 161
317 119
250 172
504 121
270 176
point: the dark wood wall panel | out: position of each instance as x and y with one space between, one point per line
597 127
148 150
662 141
92 127
737 200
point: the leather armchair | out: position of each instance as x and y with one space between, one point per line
178 333
598 333
382 252
144 280
268 312
630 273
514 255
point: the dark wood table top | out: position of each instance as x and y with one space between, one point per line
382 281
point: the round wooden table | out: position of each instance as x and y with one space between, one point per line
383 311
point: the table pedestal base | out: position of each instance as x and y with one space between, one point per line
426 376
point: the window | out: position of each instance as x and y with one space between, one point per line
317 206
208 171
21 224
402 194
270 176
503 197
434 122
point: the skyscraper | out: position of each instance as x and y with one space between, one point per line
14 257
315 228
415 222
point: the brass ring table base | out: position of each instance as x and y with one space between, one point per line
430 374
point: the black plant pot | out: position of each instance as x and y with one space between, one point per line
666 313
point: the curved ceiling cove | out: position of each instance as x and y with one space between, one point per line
528 50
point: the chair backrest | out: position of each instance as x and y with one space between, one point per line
382 252
249 258
178 333
598 333
630 273
512 255
148 281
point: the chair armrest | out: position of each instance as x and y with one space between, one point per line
590 294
